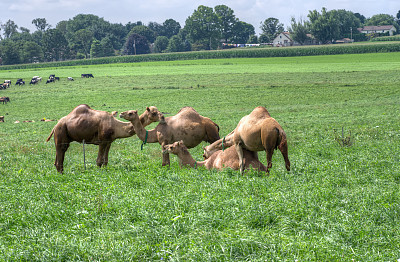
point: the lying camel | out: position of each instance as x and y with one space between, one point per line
257 131
219 160
187 125
94 127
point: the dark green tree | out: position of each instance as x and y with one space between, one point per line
41 24
136 44
9 52
324 26
96 50
107 46
31 52
271 27
170 27
227 21
175 44
82 41
9 28
161 44
242 31
299 30
144 31
203 28
55 46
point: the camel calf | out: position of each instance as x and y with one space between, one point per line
219 160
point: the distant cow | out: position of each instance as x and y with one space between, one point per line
70 78
50 80
4 99
20 82
86 75
34 81
7 81
4 86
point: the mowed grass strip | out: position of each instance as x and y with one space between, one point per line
337 203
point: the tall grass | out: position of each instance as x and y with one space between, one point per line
338 203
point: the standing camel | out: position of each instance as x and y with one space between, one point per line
94 127
257 131
188 126
219 160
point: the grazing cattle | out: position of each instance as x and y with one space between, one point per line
4 99
86 75
1 118
56 78
50 80
20 82
5 86
34 81
70 79
7 81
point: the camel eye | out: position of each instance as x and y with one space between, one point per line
130 114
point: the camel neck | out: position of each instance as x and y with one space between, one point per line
124 129
185 159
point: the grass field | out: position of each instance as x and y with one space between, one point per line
338 203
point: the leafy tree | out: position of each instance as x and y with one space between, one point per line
10 54
96 50
299 30
227 21
9 28
136 44
144 31
271 27
31 52
203 28
360 17
253 39
324 26
175 44
41 24
170 27
107 46
264 39
161 44
242 31
83 39
347 21
55 45
156 28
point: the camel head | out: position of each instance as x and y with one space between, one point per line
130 115
174 148
151 114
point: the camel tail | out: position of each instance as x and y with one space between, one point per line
51 134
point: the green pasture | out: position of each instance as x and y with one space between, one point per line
339 202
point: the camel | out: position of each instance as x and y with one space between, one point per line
257 131
219 160
187 125
90 126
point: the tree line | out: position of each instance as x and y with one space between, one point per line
89 36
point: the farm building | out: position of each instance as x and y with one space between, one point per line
284 39
380 29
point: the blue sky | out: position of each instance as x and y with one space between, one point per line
22 12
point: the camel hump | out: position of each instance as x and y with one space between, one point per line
82 109
261 111
187 108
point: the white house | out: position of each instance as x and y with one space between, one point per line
283 39
380 29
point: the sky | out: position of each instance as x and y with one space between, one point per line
22 12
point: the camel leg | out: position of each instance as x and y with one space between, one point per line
61 148
165 156
270 152
102 157
284 150
239 151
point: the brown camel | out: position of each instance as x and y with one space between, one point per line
257 131
219 160
187 125
94 127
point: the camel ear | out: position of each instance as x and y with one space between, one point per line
148 109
